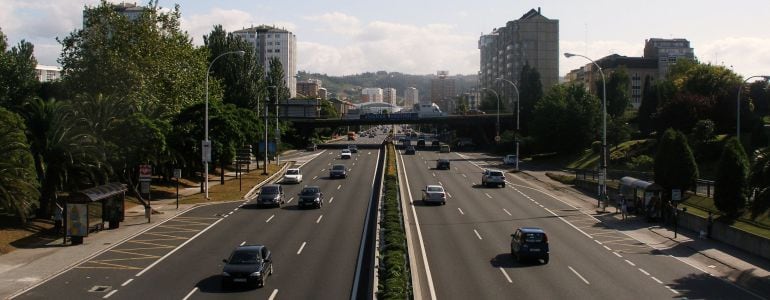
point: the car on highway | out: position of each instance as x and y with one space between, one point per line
421 143
310 196
338 171
442 164
409 150
434 194
493 177
530 243
353 148
249 265
271 194
292 175
435 143
444 148
311 147
346 154
510 159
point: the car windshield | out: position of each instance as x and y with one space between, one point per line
533 237
310 191
270 190
345 151
244 257
338 167
495 173
292 172
435 189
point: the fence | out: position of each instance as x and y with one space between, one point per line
702 187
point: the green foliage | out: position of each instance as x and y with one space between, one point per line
393 274
150 61
759 181
675 166
596 147
731 188
617 92
759 137
703 131
566 120
241 76
530 92
648 107
641 163
18 182
759 94
618 131
275 78
683 112
489 103
18 81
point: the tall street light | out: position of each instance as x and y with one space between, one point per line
603 174
497 128
517 117
738 127
206 147
267 109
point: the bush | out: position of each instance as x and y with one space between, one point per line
596 147
641 163
393 273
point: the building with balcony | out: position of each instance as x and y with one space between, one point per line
47 73
411 97
270 42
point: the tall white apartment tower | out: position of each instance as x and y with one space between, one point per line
411 97
389 95
272 42
371 94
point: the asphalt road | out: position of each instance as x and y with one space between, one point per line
467 245
314 251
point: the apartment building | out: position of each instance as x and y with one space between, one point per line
269 42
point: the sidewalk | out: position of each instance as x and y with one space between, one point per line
718 259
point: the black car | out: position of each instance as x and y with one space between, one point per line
530 242
310 196
353 148
435 143
421 143
338 171
248 264
271 194
409 150
442 164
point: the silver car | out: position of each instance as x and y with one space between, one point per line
434 193
493 178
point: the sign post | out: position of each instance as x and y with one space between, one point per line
177 175
145 177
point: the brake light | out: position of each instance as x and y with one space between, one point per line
545 238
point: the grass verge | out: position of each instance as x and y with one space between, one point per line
393 272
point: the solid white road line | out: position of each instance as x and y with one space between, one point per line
644 272
578 275
505 274
339 186
178 247
657 280
272 296
507 212
488 196
270 218
301 247
319 219
127 282
477 234
630 263
461 211
598 242
331 199
190 294
110 294
243 243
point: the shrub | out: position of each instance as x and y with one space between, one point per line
596 147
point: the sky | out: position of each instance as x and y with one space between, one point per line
345 37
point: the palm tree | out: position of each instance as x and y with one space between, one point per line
18 185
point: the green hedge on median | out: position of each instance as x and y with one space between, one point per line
393 273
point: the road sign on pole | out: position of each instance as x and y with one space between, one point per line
145 172
497 138
206 146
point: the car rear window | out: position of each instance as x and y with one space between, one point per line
309 191
338 167
533 237
270 190
243 257
435 189
292 172
496 173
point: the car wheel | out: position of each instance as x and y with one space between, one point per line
443 202
262 281
502 185
225 284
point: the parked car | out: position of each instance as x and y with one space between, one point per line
493 177
530 243
292 175
435 143
311 147
338 171
346 154
271 194
442 164
434 193
510 159
353 148
409 150
247 264
310 196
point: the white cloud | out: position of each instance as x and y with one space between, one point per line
336 23
748 56
201 24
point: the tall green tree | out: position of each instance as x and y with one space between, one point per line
648 107
617 92
276 78
683 111
731 188
530 92
18 81
241 76
759 93
149 60
566 119
19 192
675 166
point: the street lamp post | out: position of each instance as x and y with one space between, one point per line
497 126
267 109
740 87
206 143
603 174
517 118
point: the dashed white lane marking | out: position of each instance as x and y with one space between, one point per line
477 234
448 194
461 211
656 280
319 219
488 196
441 184
272 296
578 275
505 274
672 290
331 199
350 170
644 272
507 212
230 213
598 242
236 209
242 243
270 218
292 198
190 293
617 254
608 248
464 175
630 263
323 170
434 174
354 164
127 282
301 247
110 294
314 177
339 186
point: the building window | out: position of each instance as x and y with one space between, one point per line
277 43
277 35
269 43
269 36
269 50
277 50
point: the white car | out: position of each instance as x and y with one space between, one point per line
434 193
292 175
510 159
493 177
346 154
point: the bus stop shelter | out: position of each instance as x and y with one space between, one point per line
642 197
87 210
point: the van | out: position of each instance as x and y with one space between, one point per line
444 148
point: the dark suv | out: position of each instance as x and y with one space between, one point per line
271 194
310 196
248 264
442 164
530 242
338 171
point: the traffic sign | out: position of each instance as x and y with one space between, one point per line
145 172
177 173
676 195
206 147
497 138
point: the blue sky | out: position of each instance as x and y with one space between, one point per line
422 36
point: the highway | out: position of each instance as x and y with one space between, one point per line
466 244
315 251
